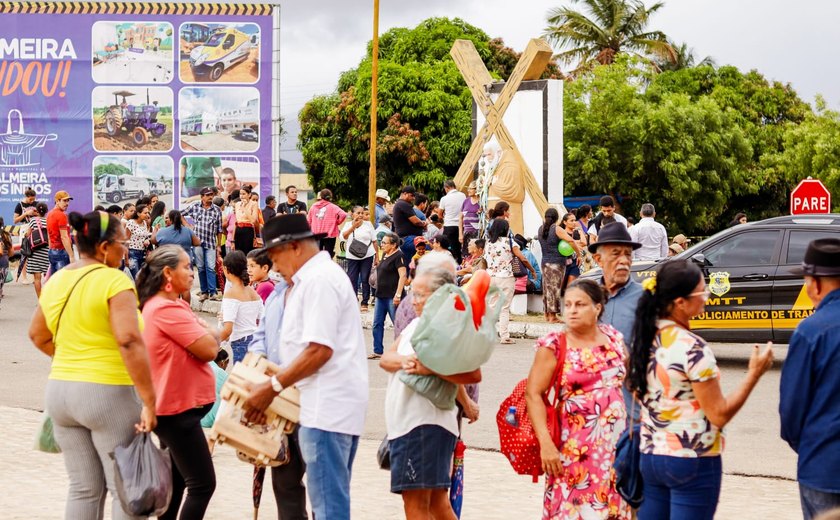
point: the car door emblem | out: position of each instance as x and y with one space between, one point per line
719 283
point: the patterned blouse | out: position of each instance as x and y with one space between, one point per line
139 234
672 421
499 258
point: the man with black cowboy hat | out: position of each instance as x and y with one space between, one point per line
810 387
614 253
322 351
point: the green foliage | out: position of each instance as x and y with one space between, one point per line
686 157
813 149
424 115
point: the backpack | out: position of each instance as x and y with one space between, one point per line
519 443
38 237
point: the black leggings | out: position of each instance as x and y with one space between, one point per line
192 466
243 238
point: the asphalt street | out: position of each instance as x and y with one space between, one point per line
753 446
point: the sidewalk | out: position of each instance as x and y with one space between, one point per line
35 485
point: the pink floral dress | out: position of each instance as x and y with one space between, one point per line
593 418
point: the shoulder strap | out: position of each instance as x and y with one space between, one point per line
69 294
557 378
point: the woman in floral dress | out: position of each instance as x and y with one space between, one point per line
580 480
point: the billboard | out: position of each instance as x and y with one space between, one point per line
111 101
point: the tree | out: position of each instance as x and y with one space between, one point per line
812 148
683 58
424 117
604 30
687 157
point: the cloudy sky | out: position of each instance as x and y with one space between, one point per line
199 99
793 42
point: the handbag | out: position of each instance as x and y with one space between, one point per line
383 454
516 264
628 475
372 278
518 442
358 248
45 437
25 248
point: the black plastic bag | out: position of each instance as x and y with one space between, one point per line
383 454
143 475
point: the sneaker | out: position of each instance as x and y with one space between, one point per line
216 297
202 296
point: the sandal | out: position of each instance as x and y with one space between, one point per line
364 308
507 342
374 356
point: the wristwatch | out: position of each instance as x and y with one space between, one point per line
276 385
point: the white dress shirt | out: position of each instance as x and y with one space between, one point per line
653 237
322 308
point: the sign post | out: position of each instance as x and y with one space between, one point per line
809 197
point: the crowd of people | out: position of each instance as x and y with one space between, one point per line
626 361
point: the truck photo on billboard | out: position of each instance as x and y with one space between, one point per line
107 101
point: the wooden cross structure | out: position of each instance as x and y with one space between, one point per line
530 67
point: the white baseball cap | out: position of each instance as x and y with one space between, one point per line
383 194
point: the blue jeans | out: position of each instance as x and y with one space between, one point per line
239 348
680 488
815 502
407 248
383 307
58 260
356 268
205 263
136 258
329 463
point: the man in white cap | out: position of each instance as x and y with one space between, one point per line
381 198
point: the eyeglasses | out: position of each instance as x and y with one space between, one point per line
705 293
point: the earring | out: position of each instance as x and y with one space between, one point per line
168 287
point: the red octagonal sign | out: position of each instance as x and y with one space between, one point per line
810 196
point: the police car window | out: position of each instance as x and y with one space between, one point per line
743 249
798 243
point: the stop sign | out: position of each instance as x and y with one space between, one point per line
810 196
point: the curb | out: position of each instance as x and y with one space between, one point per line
518 329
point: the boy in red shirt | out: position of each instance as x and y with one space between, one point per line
259 265
58 230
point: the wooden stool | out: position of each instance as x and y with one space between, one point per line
257 444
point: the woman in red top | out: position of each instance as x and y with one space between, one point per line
325 218
180 347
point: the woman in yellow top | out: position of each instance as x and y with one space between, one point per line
100 389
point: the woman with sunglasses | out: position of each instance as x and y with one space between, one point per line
674 373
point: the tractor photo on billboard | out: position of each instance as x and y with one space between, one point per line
140 121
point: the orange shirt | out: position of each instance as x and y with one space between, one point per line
181 380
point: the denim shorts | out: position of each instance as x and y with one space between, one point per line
422 459
239 347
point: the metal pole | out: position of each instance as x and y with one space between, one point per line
374 89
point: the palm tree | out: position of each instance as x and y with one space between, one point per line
608 27
684 58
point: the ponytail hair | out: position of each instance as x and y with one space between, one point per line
175 220
499 210
150 278
92 229
236 264
675 279
551 217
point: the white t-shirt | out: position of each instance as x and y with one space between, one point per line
366 233
244 315
322 308
405 409
451 204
